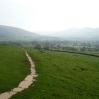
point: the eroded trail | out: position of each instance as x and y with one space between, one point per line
23 84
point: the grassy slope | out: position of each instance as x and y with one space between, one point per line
61 76
14 67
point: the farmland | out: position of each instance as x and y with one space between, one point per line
63 75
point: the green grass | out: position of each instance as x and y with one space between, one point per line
14 67
63 75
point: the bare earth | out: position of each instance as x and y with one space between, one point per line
23 84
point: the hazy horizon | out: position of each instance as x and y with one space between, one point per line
45 16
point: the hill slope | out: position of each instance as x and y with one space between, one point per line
13 33
78 32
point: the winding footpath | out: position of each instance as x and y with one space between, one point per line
23 84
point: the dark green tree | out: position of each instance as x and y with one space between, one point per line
38 46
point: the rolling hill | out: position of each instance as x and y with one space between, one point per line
13 33
78 33
8 33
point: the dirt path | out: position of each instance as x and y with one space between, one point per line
23 84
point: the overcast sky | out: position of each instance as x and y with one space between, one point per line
49 15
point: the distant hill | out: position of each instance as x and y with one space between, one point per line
78 32
13 33
8 33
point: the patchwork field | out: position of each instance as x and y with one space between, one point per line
14 67
62 75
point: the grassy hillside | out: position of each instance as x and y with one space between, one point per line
14 67
87 33
12 33
63 75
8 33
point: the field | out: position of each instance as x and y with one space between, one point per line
14 67
63 75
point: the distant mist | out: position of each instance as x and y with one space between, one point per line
12 34
77 32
